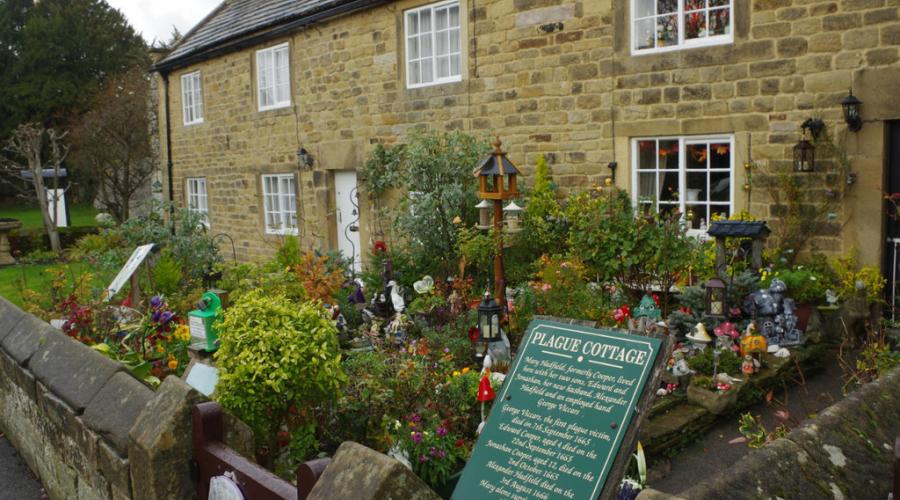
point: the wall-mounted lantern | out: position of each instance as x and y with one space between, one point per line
304 159
851 112
804 156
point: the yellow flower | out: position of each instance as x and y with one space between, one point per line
465 370
456 373
183 333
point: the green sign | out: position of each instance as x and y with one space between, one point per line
559 421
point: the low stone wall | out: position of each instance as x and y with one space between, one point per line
847 451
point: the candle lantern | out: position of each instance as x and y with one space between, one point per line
489 318
511 215
851 112
804 155
715 298
484 214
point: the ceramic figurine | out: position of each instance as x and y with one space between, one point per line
680 367
776 315
396 298
724 378
699 337
750 365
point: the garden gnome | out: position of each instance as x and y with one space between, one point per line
749 366
680 368
699 337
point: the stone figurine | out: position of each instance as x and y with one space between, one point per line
775 314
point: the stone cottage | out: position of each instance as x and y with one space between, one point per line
270 106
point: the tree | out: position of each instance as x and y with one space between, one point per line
55 54
113 141
27 147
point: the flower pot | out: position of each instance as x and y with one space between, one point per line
803 312
446 489
717 403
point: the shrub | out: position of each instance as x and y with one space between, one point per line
278 365
702 363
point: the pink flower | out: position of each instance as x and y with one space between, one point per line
416 437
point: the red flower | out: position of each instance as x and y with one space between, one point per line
474 333
379 247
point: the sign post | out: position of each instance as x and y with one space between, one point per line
566 420
138 256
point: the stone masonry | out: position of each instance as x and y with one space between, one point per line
555 77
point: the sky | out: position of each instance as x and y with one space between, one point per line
154 18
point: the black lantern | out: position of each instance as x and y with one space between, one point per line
804 156
304 159
715 298
489 318
851 112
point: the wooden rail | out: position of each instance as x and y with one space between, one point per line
214 458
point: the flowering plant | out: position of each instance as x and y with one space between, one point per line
434 453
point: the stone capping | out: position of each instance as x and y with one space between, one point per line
845 452
116 407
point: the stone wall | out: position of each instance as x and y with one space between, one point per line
575 94
85 426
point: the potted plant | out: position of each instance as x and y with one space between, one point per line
805 285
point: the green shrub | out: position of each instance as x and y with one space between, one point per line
278 363
167 274
702 363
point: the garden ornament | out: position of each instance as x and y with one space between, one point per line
831 298
647 309
776 315
485 394
499 353
751 343
424 285
396 298
680 368
782 353
750 365
699 337
724 378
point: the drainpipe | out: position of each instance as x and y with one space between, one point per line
165 76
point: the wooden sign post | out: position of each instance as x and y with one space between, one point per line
565 423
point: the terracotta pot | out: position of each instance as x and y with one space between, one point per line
803 312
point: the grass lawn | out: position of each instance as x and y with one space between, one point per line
81 215
14 279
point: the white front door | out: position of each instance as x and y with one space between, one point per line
347 203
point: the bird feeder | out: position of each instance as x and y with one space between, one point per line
201 321
497 176
484 214
511 214
715 298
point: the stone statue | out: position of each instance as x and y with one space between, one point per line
776 315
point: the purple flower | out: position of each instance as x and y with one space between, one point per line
415 418
446 349
433 451
441 431
416 437
155 316
156 302
423 458
166 317
442 453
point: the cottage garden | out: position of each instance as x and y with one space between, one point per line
310 354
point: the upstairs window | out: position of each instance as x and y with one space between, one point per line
191 98
197 199
663 25
692 175
280 203
273 77
432 44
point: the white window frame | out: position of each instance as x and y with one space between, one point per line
192 98
279 208
683 142
197 196
274 75
682 44
433 57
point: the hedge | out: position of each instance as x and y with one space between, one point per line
25 241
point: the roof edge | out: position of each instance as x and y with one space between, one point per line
262 34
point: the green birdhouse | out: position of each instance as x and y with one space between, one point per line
647 309
204 332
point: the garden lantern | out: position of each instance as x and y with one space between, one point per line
511 214
851 112
489 318
804 155
484 214
715 298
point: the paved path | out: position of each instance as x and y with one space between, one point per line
16 479
713 453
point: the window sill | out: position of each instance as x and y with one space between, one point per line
194 123
274 107
686 46
282 232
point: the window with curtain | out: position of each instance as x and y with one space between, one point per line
273 77
280 200
662 25
691 175
433 46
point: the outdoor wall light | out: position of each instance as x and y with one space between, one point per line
804 155
612 166
851 112
304 159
